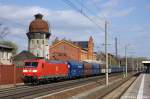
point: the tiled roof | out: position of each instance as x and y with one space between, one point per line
24 55
82 44
5 46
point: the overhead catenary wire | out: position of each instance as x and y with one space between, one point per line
105 30
103 17
91 11
71 4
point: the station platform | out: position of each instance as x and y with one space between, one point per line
140 89
10 85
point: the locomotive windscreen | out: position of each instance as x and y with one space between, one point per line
31 64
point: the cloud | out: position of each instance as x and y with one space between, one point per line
123 13
110 4
107 7
17 18
63 19
19 12
64 23
110 9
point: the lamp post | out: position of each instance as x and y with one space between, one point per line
106 53
126 69
126 60
137 65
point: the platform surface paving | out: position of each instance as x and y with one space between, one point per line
140 89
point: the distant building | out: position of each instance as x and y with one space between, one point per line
5 55
19 59
111 58
76 50
38 36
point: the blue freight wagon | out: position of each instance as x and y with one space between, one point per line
75 69
95 69
116 69
113 68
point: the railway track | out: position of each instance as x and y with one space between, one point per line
24 91
122 87
69 93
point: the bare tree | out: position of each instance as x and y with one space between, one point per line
3 31
55 41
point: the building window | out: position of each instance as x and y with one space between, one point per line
32 41
2 54
43 41
7 55
37 41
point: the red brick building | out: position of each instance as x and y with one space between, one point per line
76 50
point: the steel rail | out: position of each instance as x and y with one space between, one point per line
27 91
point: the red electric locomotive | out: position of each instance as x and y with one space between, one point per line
41 70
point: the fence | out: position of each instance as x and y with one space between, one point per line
10 74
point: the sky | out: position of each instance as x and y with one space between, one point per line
128 20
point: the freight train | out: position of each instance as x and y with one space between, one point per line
40 70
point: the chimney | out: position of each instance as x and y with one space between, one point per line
90 48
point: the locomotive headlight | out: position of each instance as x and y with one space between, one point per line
25 70
34 71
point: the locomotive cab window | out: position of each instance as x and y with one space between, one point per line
31 64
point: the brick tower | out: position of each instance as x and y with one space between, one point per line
90 48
